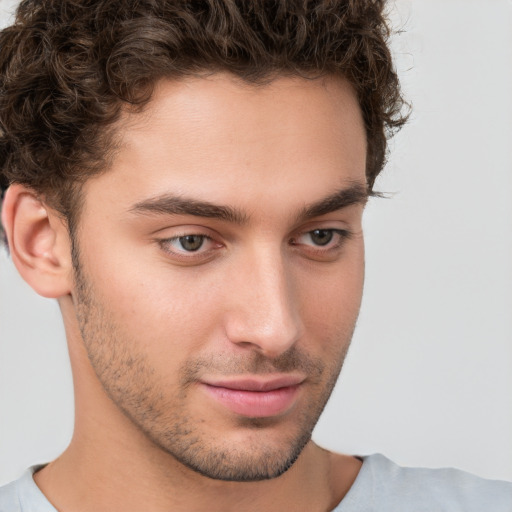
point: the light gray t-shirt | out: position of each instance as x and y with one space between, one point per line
381 486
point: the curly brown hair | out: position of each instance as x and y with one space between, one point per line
68 68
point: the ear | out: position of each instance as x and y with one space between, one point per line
38 242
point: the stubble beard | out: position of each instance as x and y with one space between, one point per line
131 383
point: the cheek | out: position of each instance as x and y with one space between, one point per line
330 300
162 310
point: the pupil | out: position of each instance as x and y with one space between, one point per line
191 242
321 236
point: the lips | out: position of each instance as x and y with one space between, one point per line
255 397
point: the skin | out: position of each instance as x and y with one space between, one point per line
150 324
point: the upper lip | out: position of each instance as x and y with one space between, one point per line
256 383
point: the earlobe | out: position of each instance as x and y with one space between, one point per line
38 242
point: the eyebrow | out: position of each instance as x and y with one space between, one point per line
169 204
177 205
357 193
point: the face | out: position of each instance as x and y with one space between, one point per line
220 267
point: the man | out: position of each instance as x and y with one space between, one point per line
188 180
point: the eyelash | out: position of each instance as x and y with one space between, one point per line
339 236
342 236
184 254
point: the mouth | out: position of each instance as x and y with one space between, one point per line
256 397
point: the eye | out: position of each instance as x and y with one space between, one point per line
322 238
189 246
322 244
190 243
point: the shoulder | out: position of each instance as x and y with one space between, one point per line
23 495
384 486
9 501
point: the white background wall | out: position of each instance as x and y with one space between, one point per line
428 380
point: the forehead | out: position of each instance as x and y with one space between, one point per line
220 139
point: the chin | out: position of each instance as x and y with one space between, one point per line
235 466
252 455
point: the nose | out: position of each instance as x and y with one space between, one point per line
264 312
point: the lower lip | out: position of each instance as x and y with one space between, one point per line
255 404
